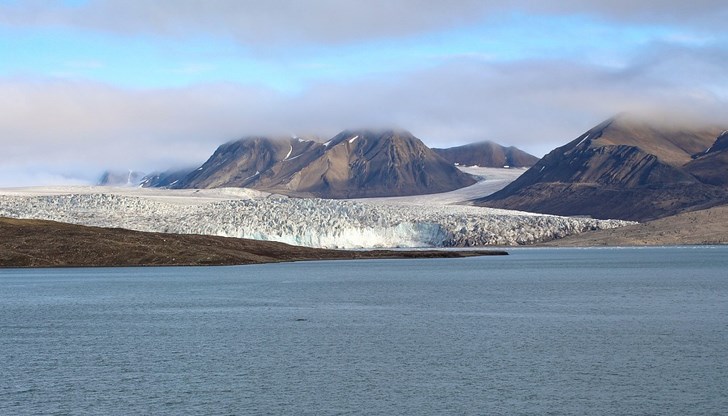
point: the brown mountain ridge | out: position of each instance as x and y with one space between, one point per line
487 154
625 168
711 166
353 164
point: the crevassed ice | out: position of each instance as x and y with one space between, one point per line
401 235
309 222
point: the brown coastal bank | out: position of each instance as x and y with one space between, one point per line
36 243
704 227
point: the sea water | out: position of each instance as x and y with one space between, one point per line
542 331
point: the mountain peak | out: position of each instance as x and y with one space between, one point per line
352 164
370 135
625 167
487 154
673 142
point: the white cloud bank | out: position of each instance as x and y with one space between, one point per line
74 129
84 127
260 23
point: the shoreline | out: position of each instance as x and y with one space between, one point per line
47 244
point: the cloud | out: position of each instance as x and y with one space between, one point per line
697 12
263 23
79 128
252 22
69 130
86 127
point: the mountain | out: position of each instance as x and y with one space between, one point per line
623 168
353 164
243 163
164 179
487 154
128 178
711 166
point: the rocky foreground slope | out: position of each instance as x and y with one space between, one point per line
308 222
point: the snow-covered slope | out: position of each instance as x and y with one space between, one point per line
310 222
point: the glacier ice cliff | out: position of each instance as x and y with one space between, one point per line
309 222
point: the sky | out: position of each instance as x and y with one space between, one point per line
89 86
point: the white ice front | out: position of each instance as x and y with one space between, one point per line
310 222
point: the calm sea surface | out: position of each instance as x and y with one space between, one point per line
542 331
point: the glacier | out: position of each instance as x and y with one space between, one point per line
322 223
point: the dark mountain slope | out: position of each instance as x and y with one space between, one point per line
622 168
164 179
367 164
240 163
353 164
487 154
711 166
